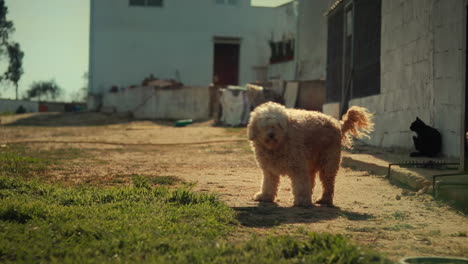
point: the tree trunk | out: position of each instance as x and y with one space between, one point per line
16 88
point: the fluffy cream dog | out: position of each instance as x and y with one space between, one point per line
301 143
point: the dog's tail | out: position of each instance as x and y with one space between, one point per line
357 122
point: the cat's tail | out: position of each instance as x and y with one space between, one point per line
357 122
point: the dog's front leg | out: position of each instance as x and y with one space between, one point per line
301 188
269 187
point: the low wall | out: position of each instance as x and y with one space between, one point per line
7 105
158 103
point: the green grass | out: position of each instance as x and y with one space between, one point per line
148 182
399 227
15 164
361 229
459 234
142 223
45 223
353 216
400 215
54 224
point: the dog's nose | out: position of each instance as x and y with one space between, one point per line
271 135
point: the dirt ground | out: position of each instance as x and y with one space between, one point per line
107 150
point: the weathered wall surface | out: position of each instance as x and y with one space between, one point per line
7 105
152 103
449 25
175 41
285 26
422 57
312 40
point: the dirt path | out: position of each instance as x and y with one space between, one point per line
369 209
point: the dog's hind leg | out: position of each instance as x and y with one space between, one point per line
312 174
327 177
269 187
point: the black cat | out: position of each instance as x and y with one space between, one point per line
428 141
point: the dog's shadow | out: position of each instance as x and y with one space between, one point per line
271 215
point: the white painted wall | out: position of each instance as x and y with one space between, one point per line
7 105
312 40
285 26
175 41
422 72
155 103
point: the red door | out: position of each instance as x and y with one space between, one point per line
226 64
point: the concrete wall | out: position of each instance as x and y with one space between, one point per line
175 41
7 105
155 103
285 26
422 72
449 24
306 21
312 40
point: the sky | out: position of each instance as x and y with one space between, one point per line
54 35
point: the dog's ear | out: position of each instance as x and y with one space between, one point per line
251 130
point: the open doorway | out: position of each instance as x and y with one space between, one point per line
226 61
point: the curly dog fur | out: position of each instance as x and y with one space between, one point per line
300 144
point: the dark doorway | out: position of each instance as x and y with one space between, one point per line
226 64
465 128
353 51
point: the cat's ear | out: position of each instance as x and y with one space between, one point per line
417 118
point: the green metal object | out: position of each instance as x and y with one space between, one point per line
182 123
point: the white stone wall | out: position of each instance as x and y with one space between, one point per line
312 40
422 68
449 25
7 105
151 103
285 26
175 41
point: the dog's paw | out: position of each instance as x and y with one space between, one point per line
261 197
326 202
303 202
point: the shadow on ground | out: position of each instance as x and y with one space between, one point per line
270 215
72 119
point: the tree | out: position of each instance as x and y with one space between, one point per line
82 94
10 48
49 89
15 67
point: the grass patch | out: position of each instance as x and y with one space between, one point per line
400 215
14 164
145 222
398 227
45 223
361 229
459 234
353 216
141 181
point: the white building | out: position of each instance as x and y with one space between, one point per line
189 41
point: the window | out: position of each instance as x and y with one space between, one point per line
282 51
156 3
